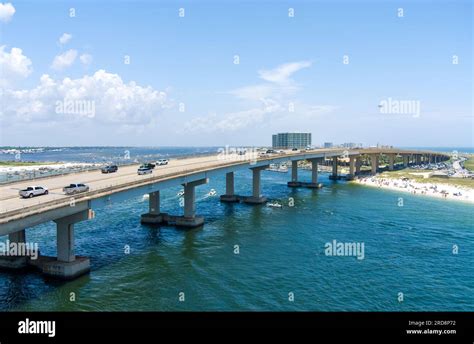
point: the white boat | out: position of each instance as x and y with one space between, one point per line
211 193
180 193
274 205
277 168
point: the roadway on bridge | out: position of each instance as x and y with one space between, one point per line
10 200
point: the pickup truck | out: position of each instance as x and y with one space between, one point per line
75 188
109 169
32 191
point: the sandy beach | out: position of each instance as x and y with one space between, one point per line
444 191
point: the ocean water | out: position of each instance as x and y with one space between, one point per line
99 154
408 250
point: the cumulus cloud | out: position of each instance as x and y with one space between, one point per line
13 66
6 12
64 60
65 37
113 100
86 59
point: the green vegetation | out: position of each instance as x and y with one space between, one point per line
24 163
464 182
469 163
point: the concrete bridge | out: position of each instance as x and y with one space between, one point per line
18 214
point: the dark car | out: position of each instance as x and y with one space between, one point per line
109 169
148 165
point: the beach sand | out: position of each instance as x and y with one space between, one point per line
444 191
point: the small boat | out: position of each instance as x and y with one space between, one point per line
274 205
211 193
180 193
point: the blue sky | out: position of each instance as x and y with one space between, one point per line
291 75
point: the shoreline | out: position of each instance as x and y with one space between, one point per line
441 191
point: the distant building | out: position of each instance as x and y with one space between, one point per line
291 140
352 145
328 144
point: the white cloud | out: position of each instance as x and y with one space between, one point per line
269 99
86 59
115 102
6 12
65 37
13 65
282 73
64 60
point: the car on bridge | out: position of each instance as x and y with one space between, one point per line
148 165
162 162
32 191
109 169
144 169
75 188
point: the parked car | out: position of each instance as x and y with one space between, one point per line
295 149
109 169
32 191
144 170
75 188
162 162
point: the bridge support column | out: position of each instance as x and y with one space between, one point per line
294 174
358 165
154 216
229 189
352 165
374 161
67 265
256 197
405 161
14 258
391 162
418 159
334 174
190 219
314 174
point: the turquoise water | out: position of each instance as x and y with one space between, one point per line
407 249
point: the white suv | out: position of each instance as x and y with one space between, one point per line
161 162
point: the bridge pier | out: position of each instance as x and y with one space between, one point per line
405 161
334 175
229 189
352 166
294 174
391 162
66 265
314 174
154 216
256 197
358 165
17 261
374 161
